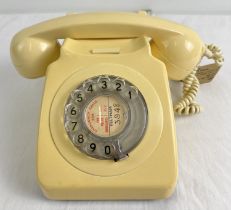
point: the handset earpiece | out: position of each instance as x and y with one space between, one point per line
32 55
180 53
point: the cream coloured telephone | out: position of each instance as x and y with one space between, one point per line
107 125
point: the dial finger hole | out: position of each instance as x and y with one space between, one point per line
71 126
78 96
118 84
108 150
104 83
92 148
80 139
71 111
89 86
131 92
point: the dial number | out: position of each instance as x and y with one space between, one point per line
104 84
79 97
90 88
73 111
130 94
74 125
118 86
93 147
80 138
107 150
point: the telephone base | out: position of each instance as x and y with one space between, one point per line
150 171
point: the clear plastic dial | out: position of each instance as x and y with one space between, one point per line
105 117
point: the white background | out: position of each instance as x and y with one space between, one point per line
158 6
204 140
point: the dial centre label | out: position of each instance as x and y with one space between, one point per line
105 115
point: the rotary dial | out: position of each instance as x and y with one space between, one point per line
105 117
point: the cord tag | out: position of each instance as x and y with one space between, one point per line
206 73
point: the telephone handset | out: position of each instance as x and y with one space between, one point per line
177 46
107 127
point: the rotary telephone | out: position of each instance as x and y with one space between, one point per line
107 125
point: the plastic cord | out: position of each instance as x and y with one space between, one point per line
186 105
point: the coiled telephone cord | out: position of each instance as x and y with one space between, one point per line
186 105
